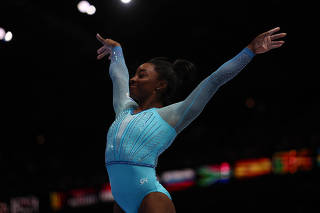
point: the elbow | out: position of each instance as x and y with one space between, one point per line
195 111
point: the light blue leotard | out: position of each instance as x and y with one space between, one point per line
135 141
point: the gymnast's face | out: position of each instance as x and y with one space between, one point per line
144 83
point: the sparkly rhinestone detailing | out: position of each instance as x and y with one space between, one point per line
138 138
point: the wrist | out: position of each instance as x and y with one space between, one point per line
250 47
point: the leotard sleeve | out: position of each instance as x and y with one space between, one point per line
181 114
118 72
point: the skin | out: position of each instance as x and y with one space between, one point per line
154 202
146 88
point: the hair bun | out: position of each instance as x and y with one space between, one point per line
186 74
180 75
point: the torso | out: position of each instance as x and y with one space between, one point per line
138 137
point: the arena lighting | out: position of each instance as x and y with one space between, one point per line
292 161
91 10
4 207
80 197
56 200
86 7
252 168
250 102
2 33
126 1
105 194
211 174
8 36
24 204
83 6
178 179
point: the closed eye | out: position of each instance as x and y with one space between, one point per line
142 73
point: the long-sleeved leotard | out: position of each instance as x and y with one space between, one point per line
178 115
135 141
181 114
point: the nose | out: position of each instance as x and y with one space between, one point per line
132 80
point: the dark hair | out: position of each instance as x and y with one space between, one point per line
180 76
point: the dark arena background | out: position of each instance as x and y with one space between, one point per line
254 148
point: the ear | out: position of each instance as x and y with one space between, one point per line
162 85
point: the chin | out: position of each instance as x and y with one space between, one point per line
133 96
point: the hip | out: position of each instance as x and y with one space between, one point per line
131 183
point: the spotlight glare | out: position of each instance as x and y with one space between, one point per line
8 36
91 10
2 33
125 1
83 6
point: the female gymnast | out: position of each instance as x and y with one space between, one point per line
146 123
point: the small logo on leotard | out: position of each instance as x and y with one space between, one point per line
143 180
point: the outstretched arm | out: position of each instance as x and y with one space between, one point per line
118 72
181 114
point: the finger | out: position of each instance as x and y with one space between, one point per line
277 42
270 32
276 36
102 40
101 49
276 46
103 54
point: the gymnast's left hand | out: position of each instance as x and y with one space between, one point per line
267 41
108 44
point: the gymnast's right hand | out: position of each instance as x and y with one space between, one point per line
108 44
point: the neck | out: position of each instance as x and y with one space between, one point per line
149 103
